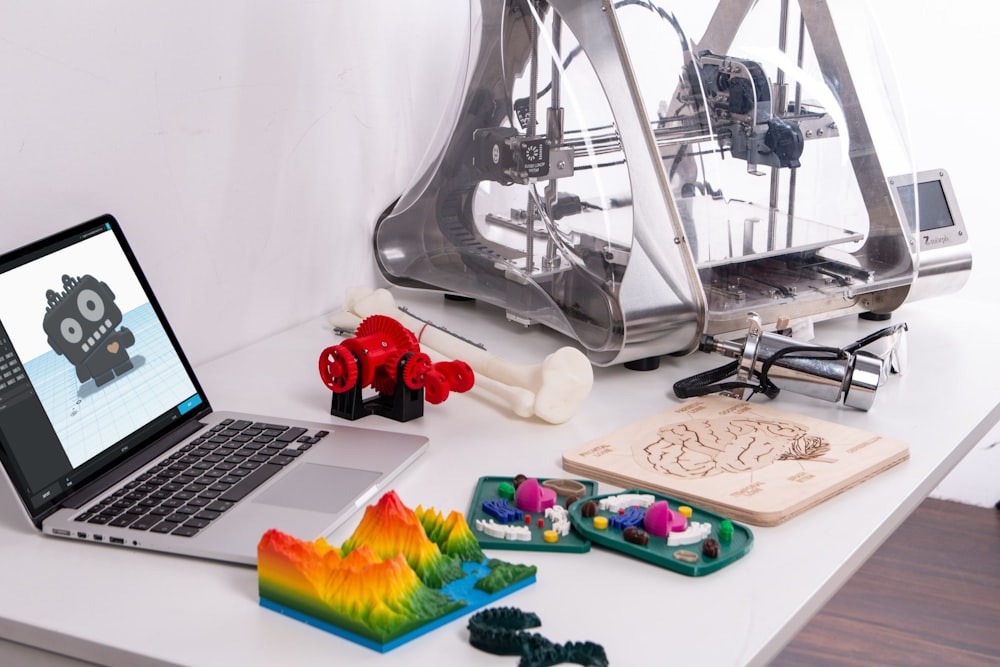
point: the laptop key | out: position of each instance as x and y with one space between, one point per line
218 506
291 434
250 482
270 427
185 531
123 520
164 527
145 522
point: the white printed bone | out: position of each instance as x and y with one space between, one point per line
560 383
520 401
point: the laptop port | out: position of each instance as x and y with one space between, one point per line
99 538
116 540
82 535
60 531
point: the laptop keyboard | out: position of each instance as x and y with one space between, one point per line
195 485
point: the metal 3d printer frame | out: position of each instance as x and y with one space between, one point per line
639 174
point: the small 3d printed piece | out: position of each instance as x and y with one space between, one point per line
400 574
500 510
565 487
558 516
530 496
518 479
589 509
506 490
501 631
685 510
622 501
686 556
540 652
710 548
550 536
628 518
660 520
601 522
695 532
501 531
726 530
635 536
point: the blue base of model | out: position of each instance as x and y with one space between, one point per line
461 589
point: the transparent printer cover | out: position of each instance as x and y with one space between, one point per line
636 174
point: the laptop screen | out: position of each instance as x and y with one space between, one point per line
89 370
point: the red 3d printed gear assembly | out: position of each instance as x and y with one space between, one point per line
385 355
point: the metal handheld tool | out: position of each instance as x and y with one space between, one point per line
768 362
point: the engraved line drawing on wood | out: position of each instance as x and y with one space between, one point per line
737 444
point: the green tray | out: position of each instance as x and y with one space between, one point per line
487 489
657 551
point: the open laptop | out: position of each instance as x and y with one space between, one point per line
106 435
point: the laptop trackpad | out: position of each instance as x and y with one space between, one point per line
317 487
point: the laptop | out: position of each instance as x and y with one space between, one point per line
106 435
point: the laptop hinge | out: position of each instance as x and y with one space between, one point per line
107 480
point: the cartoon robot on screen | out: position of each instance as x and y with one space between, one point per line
81 325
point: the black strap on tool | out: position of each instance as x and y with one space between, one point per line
711 382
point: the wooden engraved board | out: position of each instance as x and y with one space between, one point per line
748 461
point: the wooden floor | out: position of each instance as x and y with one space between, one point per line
929 596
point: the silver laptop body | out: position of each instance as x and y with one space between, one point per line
107 437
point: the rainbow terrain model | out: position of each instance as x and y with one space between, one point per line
401 574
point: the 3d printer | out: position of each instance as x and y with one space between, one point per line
638 175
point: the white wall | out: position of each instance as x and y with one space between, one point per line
940 51
232 132
247 147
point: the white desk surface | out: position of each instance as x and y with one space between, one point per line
121 607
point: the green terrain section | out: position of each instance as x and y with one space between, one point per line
503 574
